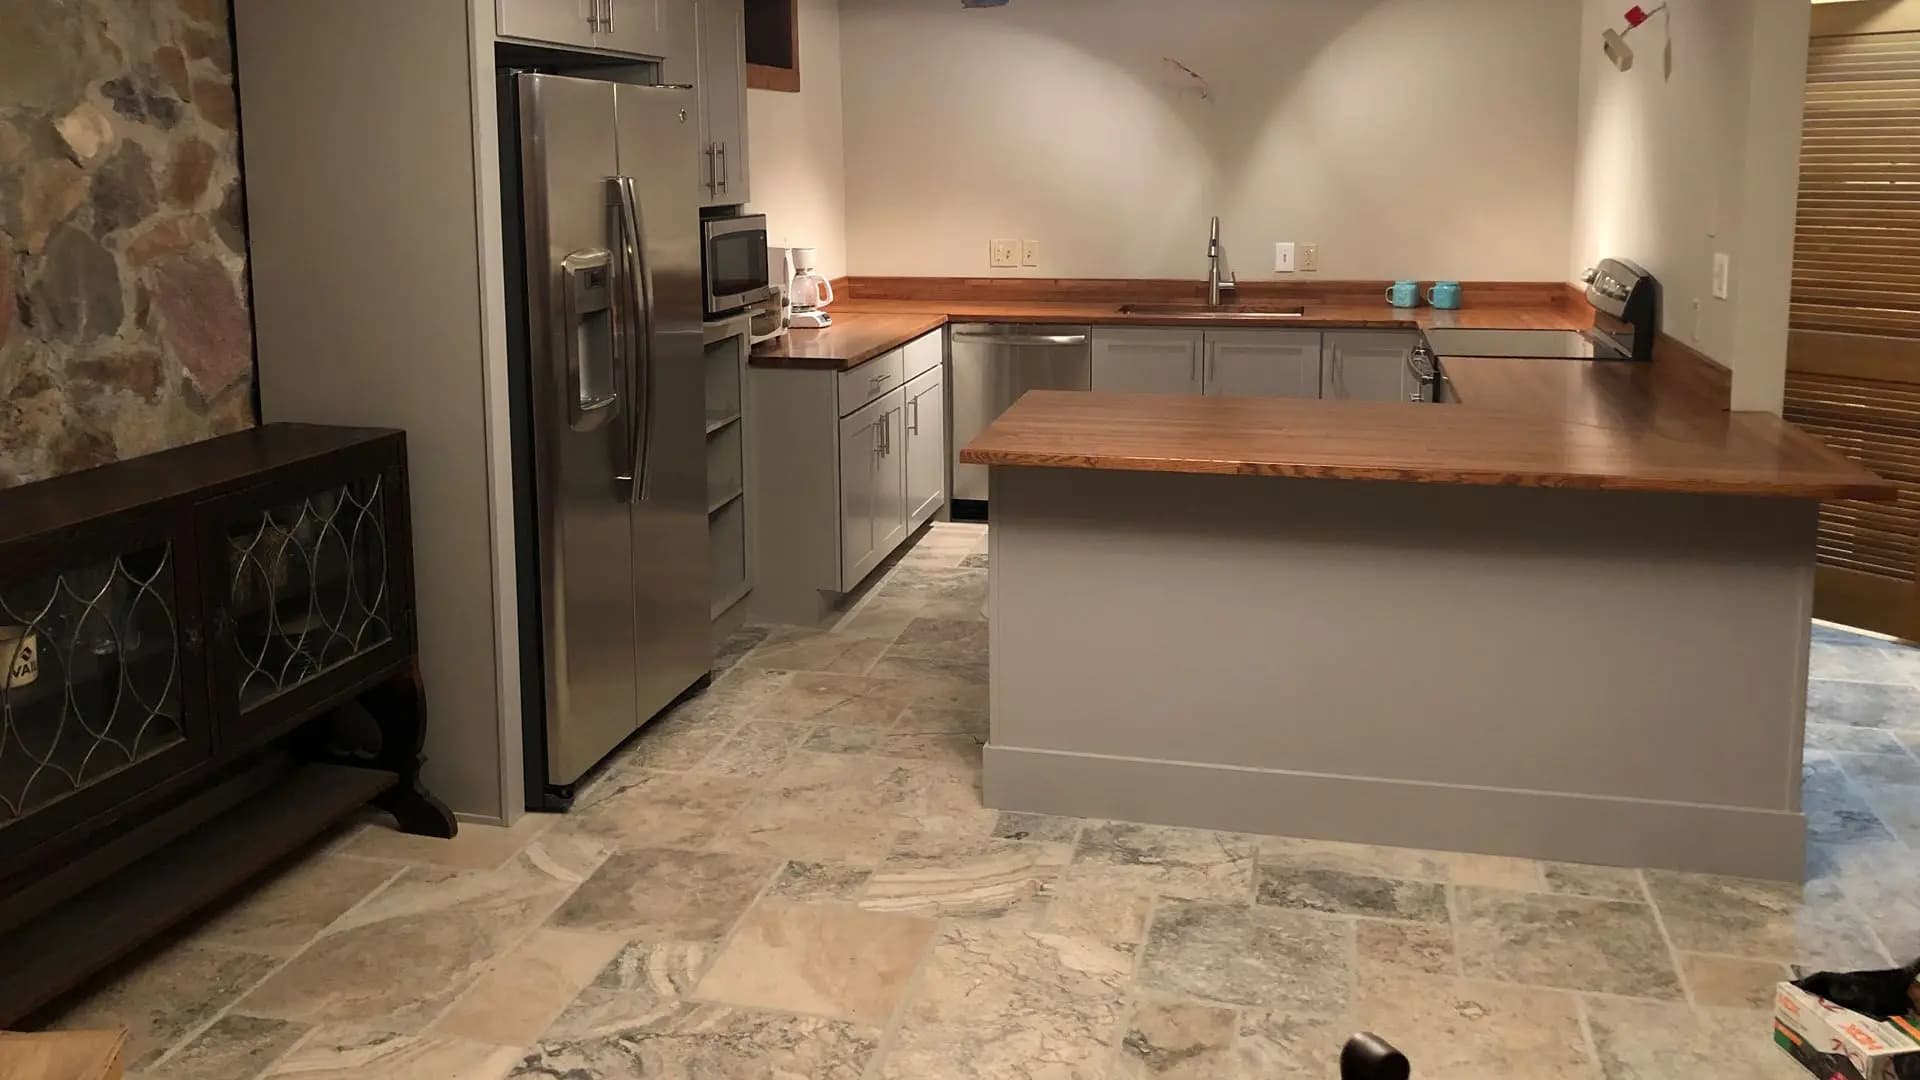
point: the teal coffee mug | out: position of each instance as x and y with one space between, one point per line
1444 294
1404 294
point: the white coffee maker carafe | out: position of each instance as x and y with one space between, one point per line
810 292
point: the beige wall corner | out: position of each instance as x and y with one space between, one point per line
797 147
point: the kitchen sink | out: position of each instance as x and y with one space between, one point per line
1202 310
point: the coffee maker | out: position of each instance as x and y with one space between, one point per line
809 292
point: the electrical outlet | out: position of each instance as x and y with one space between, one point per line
1309 257
1722 275
1004 253
1283 258
1029 253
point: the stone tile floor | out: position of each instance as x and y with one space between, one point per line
793 876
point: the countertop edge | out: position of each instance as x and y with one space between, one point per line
1454 477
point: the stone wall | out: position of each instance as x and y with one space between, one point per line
123 313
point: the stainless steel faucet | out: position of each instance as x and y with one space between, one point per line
1215 283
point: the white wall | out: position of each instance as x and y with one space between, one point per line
796 148
1698 153
1429 138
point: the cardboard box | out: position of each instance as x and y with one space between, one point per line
62 1055
1834 1043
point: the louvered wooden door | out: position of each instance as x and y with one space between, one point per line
1854 356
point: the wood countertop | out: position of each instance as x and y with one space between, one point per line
1615 443
865 329
852 340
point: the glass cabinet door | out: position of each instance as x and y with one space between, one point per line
95 705
307 588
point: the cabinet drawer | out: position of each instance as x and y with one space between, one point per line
924 353
871 379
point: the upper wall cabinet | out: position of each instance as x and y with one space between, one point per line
721 81
773 45
634 27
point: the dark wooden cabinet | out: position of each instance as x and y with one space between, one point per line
185 639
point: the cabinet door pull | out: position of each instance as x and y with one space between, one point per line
722 169
711 172
913 422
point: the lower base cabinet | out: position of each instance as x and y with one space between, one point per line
926 423
1345 365
844 466
873 485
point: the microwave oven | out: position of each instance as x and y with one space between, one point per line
733 262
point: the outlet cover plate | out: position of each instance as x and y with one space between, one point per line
1003 253
1283 258
1029 253
1722 275
1309 257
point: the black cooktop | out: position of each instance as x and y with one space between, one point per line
1547 344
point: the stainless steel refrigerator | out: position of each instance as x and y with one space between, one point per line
603 243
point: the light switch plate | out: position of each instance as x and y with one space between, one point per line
1309 257
1029 253
1283 258
1722 275
1004 253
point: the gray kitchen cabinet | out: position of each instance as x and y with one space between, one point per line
873 494
1147 360
926 424
842 466
721 82
634 27
1368 365
561 22
1262 363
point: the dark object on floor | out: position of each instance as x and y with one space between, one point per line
207 658
1882 994
1369 1057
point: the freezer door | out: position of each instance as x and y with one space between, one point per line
658 129
581 415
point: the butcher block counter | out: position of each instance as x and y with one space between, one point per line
1587 429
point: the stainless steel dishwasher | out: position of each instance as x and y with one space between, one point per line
993 364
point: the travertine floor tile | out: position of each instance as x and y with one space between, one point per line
819 882
167 995
521 993
1464 1029
968 878
982 973
647 808
1191 863
645 986
1177 1042
477 847
1338 892
1641 1041
234 1046
345 1053
1862 704
1250 956
711 1043
1762 919
824 808
666 894
1041 827
1422 947
1570 942
283 912
1857 740
795 649
830 961
1731 981
396 961
1604 882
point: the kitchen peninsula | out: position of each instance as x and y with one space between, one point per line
1517 624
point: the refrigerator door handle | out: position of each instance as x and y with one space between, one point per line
638 279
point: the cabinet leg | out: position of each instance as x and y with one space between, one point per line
399 707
